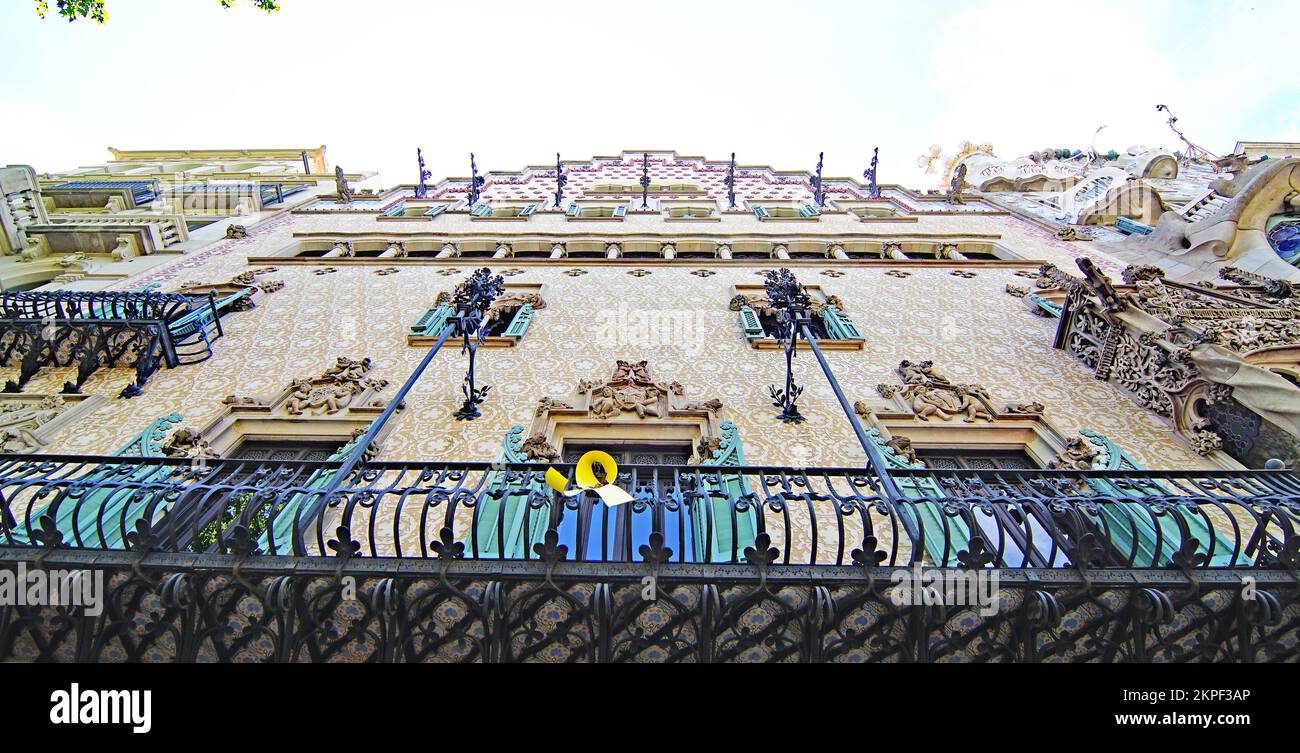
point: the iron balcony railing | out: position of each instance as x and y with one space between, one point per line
1023 520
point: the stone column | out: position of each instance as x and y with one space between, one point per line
395 249
669 251
342 248
557 251
949 251
612 251
837 252
892 251
502 252
780 251
724 250
448 251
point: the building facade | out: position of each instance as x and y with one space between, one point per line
260 394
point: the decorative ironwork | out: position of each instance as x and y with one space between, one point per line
472 300
93 330
561 180
730 182
790 302
819 195
475 181
1194 152
645 181
422 190
873 187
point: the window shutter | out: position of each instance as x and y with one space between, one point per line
431 323
838 324
435 211
519 324
751 324
482 210
759 212
528 210
809 210
573 209
394 211
721 533
619 211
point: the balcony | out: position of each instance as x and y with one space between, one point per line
430 561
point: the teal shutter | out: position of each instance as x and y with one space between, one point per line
620 211
759 212
719 532
435 211
519 324
751 324
78 519
528 210
394 211
1132 527
573 209
482 210
513 513
838 324
809 210
432 322
926 511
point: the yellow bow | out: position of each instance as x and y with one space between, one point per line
585 475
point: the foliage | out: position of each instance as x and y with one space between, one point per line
211 533
94 9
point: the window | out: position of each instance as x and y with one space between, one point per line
675 211
505 324
784 211
486 211
832 327
412 210
604 525
578 211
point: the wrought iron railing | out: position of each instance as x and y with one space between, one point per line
689 514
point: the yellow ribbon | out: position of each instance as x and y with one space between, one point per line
585 475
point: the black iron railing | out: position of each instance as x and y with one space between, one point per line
822 516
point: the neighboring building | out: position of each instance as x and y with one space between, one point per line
1012 375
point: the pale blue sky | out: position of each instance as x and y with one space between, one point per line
516 81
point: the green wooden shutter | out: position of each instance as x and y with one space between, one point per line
519 324
435 211
432 322
925 510
750 323
528 210
1130 524
759 212
482 210
718 531
505 524
809 210
620 211
573 209
838 324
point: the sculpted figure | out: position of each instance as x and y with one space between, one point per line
1078 456
604 404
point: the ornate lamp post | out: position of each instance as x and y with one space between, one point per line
791 303
873 188
645 181
422 189
730 182
561 180
472 300
819 196
475 182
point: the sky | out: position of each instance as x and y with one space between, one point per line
515 82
